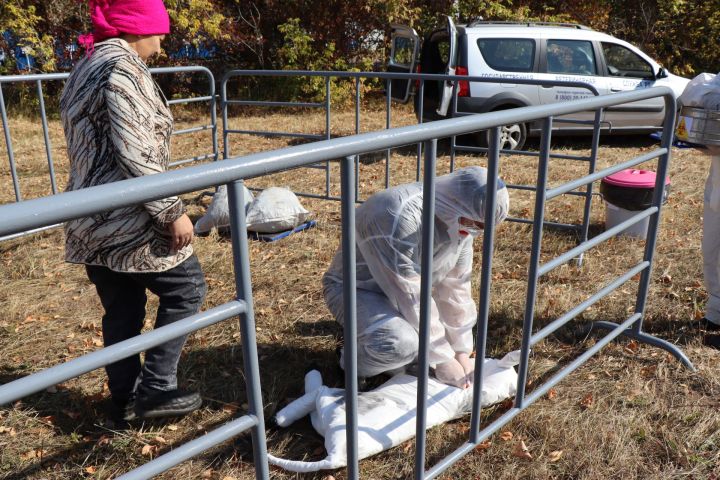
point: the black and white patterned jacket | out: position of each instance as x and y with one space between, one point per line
117 125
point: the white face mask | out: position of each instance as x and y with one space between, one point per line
472 231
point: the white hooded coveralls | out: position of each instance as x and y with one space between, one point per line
389 244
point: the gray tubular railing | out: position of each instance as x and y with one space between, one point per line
388 77
38 79
36 213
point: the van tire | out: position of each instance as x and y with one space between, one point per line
512 137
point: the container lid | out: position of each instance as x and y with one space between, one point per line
633 178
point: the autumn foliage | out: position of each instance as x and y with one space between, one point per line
681 34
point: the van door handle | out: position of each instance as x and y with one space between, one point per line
616 89
547 86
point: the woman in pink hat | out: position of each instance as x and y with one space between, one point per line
117 125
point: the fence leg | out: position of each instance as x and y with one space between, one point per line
347 174
635 331
8 144
241 263
538 222
426 262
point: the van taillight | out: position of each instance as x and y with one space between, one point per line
463 85
417 82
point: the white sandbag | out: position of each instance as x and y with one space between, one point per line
387 414
275 209
218 213
703 91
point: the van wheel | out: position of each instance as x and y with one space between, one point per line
512 137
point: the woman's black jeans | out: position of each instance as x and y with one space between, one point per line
181 291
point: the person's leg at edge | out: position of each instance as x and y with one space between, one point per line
711 257
124 303
181 291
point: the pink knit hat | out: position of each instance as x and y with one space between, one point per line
111 18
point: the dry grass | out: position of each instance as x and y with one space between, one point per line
630 412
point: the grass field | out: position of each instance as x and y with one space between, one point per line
632 412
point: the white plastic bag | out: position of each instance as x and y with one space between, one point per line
218 213
703 91
275 209
386 415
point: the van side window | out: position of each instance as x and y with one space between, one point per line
623 62
508 54
402 51
571 57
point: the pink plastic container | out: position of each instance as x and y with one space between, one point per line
625 193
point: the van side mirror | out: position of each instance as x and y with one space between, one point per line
662 73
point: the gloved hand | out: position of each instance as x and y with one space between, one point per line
451 373
468 365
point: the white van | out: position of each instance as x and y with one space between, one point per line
533 51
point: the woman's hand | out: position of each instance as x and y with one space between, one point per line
181 233
452 373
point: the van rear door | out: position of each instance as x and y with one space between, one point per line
404 51
447 90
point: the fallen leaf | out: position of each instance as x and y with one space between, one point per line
9 430
484 445
648 372
90 470
407 447
233 478
552 394
207 473
149 450
506 436
97 342
555 455
329 477
38 453
632 347
230 408
521 450
160 439
49 419
587 401
103 440
172 428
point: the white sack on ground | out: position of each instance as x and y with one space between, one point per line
275 209
218 213
386 415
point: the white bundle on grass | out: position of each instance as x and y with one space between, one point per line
387 414
218 213
275 209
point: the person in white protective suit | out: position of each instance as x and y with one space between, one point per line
388 235
711 250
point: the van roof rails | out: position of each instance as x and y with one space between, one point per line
476 23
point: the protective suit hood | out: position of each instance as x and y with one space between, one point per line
462 194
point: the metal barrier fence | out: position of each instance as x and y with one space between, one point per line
387 79
39 79
586 191
37 213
